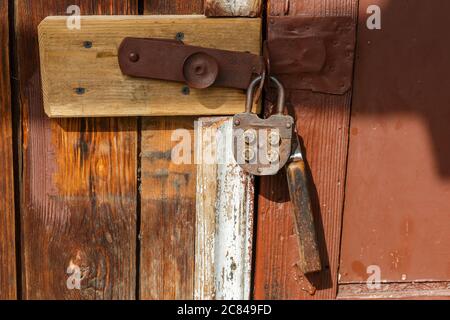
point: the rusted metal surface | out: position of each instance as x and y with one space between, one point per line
262 146
197 66
309 53
302 212
312 53
398 191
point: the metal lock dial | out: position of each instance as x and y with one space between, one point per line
262 146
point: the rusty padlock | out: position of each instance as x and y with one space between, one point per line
262 146
275 140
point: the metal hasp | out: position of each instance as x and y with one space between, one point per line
198 67
304 53
312 53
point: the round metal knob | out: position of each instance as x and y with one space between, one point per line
200 70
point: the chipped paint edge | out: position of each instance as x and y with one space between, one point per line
224 219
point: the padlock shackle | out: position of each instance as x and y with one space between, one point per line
251 91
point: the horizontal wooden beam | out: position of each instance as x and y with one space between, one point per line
68 64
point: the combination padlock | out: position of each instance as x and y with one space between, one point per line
263 147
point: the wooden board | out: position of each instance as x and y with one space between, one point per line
67 65
322 121
224 216
7 219
399 160
169 227
162 233
167 212
78 209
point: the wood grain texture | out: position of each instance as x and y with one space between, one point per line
169 210
407 290
322 121
173 7
67 65
233 8
7 219
78 205
224 216
168 213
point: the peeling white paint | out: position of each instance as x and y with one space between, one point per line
225 197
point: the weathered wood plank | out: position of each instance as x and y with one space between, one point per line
173 6
224 219
7 219
322 121
176 242
79 182
168 213
67 66
234 8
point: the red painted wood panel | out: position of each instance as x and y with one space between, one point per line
397 211
322 121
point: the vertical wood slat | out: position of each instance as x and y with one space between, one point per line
79 181
175 275
224 215
322 121
167 233
167 213
7 219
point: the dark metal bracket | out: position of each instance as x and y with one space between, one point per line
304 53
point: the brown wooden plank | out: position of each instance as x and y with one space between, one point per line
322 121
7 221
79 181
425 290
399 160
67 65
167 232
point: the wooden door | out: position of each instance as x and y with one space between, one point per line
100 199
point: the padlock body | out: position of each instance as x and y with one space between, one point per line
262 146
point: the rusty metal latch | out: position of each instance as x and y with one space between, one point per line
306 53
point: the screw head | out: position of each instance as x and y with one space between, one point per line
288 125
134 57
80 91
179 36
87 44
186 91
